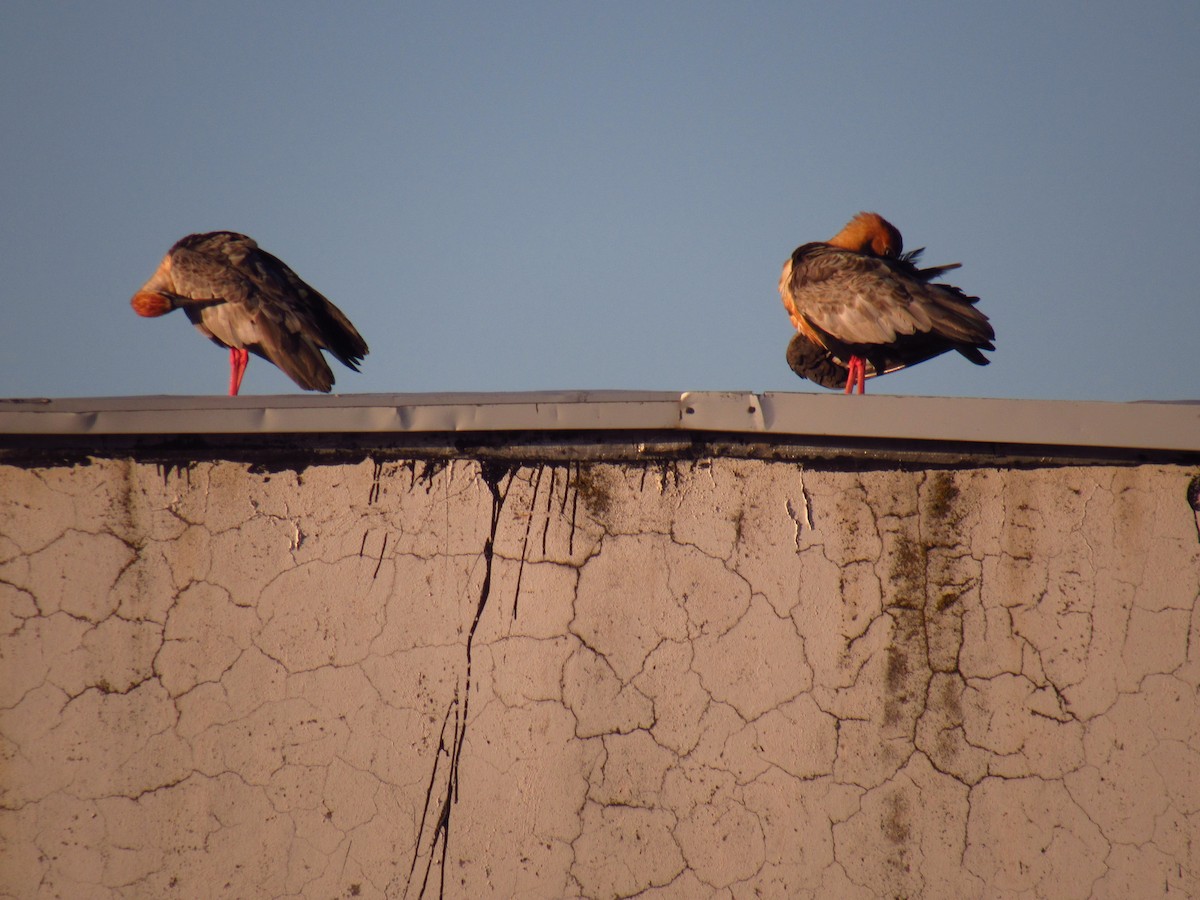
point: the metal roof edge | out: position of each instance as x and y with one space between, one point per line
1149 426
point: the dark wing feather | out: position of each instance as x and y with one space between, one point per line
930 273
812 361
318 319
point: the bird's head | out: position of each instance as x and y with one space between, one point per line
870 232
154 297
150 304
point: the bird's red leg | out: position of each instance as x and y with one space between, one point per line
237 368
856 374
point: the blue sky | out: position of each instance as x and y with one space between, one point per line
528 196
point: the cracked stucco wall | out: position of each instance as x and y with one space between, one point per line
727 678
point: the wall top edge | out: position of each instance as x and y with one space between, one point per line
1146 426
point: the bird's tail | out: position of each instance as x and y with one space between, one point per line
913 257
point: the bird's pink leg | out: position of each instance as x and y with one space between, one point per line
856 374
237 368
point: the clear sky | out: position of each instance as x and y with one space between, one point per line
527 196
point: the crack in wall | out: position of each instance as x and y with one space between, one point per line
492 475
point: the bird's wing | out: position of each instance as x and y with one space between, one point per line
327 325
812 361
202 271
866 300
298 307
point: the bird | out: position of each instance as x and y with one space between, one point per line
862 308
247 300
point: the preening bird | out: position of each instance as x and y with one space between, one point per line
243 298
862 308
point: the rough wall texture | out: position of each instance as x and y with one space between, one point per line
729 678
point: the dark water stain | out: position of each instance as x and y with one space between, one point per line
906 670
537 484
942 494
1193 499
168 470
376 474
895 820
592 487
908 574
498 477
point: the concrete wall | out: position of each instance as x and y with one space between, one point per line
732 678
